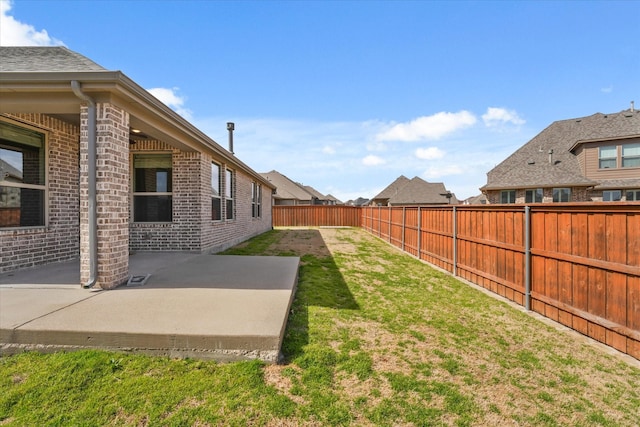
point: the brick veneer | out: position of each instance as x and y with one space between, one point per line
112 196
62 238
192 228
58 239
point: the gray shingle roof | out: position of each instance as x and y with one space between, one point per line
44 59
531 165
419 191
286 188
393 188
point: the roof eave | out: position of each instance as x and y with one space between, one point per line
134 98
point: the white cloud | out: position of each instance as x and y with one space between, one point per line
497 116
607 89
440 171
428 127
171 98
430 153
372 160
16 33
328 150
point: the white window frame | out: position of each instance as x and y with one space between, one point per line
150 193
558 194
256 200
216 199
511 196
634 157
611 195
229 194
40 187
633 195
535 194
608 157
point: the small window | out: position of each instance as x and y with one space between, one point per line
229 190
611 196
152 197
608 157
216 197
633 195
256 200
22 177
631 155
533 196
561 195
508 196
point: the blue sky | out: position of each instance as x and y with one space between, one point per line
347 96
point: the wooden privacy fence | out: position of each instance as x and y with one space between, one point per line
315 216
578 264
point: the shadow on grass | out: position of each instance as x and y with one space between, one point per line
320 282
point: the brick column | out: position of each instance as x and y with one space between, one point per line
112 196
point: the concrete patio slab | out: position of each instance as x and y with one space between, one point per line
203 306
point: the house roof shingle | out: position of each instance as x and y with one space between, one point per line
285 187
44 59
393 188
547 159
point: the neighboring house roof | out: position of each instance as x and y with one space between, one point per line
38 79
415 191
315 193
332 198
360 201
480 199
392 189
286 188
419 191
8 172
548 160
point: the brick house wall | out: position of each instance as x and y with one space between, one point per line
62 238
578 194
192 228
58 239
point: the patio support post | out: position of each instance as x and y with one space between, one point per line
91 170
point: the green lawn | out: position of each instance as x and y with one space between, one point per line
374 337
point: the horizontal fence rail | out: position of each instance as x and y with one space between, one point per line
577 264
315 216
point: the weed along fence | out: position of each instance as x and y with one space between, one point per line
578 264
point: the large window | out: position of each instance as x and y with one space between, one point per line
533 196
631 155
22 177
633 195
152 197
229 190
561 194
508 196
216 197
611 196
256 200
608 157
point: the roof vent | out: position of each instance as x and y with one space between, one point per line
531 162
632 107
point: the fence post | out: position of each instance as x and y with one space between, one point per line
527 257
379 223
390 225
404 222
455 242
419 234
